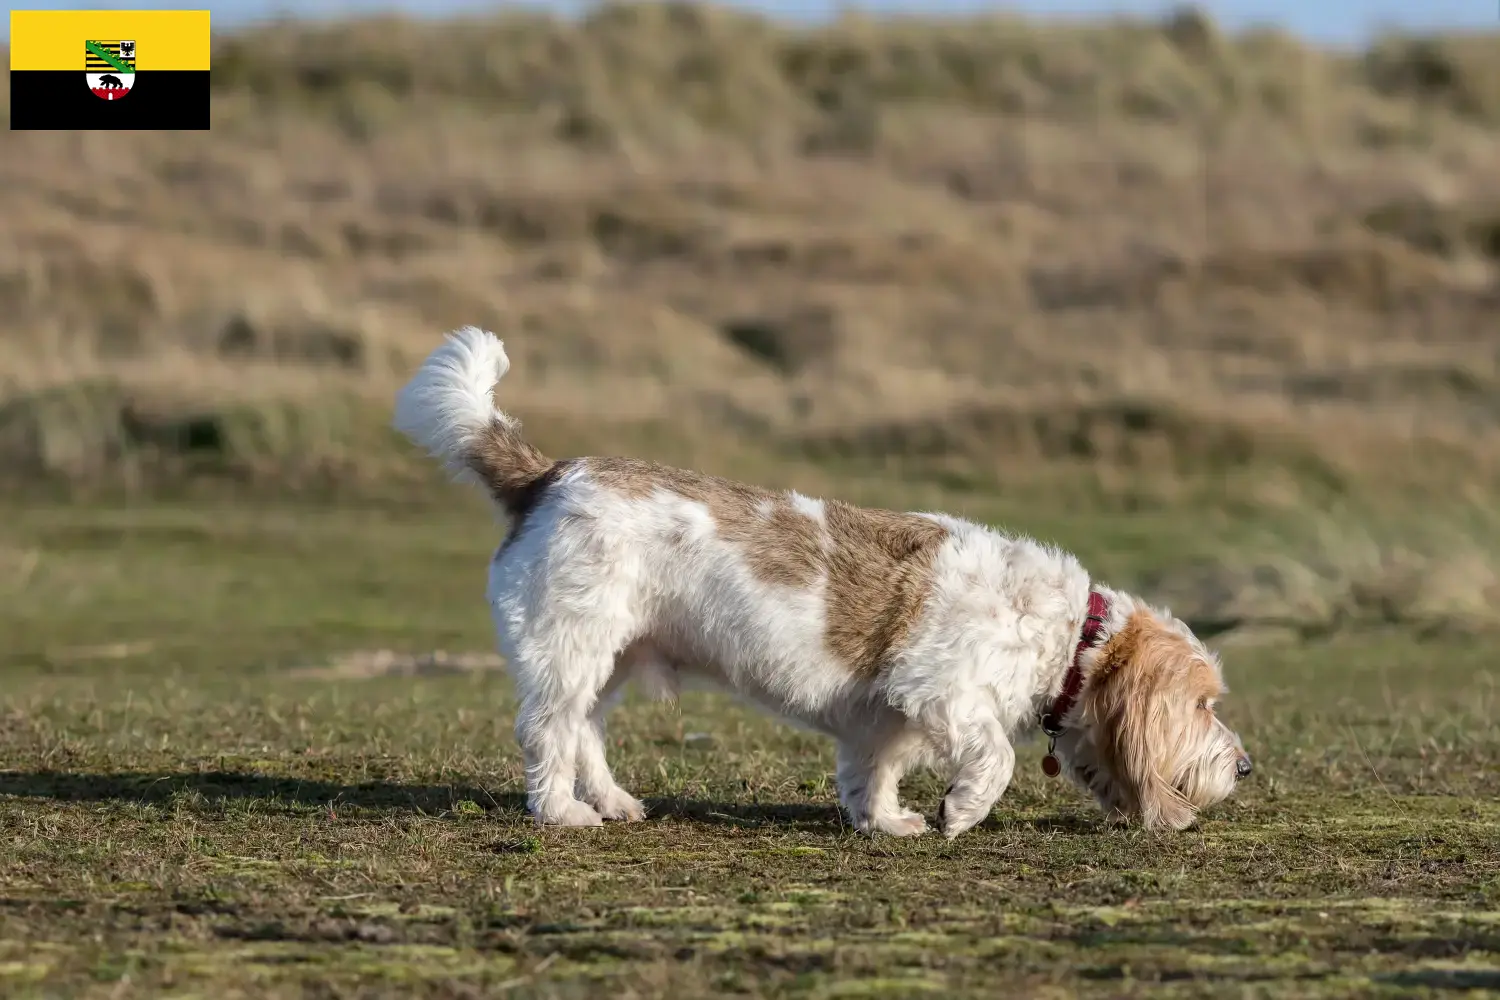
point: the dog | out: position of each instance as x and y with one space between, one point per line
909 638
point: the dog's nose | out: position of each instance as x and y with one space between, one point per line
1243 768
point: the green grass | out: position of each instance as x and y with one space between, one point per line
186 810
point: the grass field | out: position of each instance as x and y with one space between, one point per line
1217 312
206 792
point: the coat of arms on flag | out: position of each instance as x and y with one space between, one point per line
109 68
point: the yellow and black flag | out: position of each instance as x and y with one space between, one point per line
109 69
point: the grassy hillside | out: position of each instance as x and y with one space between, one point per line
1028 272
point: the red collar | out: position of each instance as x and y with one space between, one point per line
1093 626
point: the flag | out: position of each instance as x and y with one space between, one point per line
109 69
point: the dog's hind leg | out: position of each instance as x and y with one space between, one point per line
548 730
565 600
560 724
596 784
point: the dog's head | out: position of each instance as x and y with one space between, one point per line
1145 739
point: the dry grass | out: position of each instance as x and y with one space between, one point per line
1129 266
679 209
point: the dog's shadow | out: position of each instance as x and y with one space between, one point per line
226 789
161 788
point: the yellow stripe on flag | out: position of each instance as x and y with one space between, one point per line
164 39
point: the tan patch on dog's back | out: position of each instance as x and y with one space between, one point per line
879 576
878 564
781 544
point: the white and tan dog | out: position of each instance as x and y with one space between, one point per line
908 638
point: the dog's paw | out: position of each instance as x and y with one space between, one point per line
572 813
902 824
899 823
618 804
953 820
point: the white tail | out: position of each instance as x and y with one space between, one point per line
448 404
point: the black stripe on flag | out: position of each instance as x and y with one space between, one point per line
61 99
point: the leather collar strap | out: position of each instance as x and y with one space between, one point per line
1093 626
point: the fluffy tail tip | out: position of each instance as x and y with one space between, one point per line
448 401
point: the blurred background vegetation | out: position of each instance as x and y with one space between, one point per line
1217 310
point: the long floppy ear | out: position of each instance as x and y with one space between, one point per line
1141 724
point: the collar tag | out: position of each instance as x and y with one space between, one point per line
1051 766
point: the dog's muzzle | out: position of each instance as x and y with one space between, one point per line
1243 768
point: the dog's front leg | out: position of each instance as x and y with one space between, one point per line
869 774
986 761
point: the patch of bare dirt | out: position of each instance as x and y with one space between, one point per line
367 664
